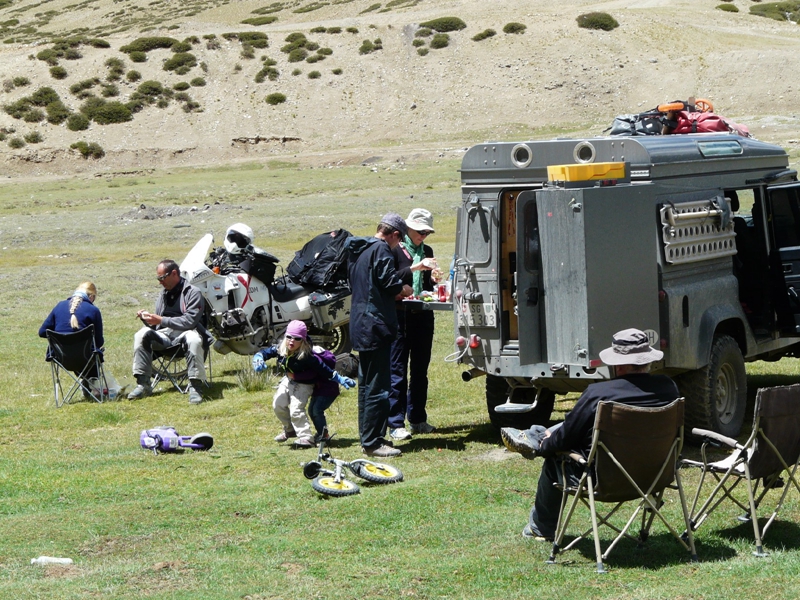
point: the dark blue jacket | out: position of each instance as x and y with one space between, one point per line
636 389
87 313
375 284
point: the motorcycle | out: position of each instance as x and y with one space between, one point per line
248 308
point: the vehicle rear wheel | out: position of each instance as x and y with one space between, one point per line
497 392
337 340
716 395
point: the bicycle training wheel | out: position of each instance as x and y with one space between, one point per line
376 472
327 484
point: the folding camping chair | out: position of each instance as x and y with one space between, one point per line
74 353
771 453
633 457
169 364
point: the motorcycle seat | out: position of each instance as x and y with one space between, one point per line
284 289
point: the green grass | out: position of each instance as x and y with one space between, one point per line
240 521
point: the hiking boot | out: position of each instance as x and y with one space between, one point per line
140 391
519 441
382 451
194 395
322 436
423 427
304 442
285 435
400 433
530 533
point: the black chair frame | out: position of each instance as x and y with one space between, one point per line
74 353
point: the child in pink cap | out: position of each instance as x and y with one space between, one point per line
302 369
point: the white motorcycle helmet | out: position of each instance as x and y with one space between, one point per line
238 237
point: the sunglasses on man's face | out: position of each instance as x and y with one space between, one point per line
294 338
164 276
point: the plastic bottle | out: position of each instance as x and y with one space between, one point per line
51 560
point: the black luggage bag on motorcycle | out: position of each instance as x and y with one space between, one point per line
322 262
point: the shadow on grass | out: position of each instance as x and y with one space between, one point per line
782 534
660 551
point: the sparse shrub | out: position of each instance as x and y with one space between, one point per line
181 59
180 86
57 112
182 70
597 20
276 98
312 46
77 122
445 24
314 75
91 105
267 72
198 82
727 7
150 88
162 103
483 35
237 67
422 51
112 112
148 43
89 150
98 43
72 54
325 51
352 30
191 106
43 96
86 84
181 47
371 8
3 136
109 91
20 81
333 30
58 72
34 137
16 143
368 46
204 67
514 27
213 44
182 97
256 39
424 32
298 55
319 29
418 42
256 21
49 56
173 27
192 39
34 115
315 58
247 52
297 72
138 56
440 40
779 11
337 71
133 76
115 63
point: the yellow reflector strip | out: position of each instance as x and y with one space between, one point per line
587 172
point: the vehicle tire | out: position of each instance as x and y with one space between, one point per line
326 484
337 340
716 395
376 472
497 391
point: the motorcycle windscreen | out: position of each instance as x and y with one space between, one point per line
530 298
195 262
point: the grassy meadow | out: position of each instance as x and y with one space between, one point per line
241 521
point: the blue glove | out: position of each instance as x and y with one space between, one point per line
258 362
345 382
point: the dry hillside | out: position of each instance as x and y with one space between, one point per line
553 78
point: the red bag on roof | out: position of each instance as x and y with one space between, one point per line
706 122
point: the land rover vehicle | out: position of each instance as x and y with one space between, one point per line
562 243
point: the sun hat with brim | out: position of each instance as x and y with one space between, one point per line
395 221
630 347
420 219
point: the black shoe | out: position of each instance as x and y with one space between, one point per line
519 441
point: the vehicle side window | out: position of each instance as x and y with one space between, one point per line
785 217
478 240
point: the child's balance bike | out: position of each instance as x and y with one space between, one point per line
332 483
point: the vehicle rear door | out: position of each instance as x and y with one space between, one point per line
784 223
530 296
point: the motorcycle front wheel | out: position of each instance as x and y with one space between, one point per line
327 485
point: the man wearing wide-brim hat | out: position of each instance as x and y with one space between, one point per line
629 356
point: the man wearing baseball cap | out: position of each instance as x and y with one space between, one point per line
629 356
373 327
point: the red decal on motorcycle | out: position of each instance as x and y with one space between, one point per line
246 284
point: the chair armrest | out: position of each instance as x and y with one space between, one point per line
572 456
716 438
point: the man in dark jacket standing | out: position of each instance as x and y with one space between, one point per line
179 312
373 327
629 357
